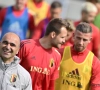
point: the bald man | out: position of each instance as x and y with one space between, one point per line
12 75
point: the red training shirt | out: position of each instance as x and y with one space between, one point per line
79 57
17 13
94 44
41 63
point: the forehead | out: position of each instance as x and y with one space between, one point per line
83 35
92 13
63 31
56 9
11 39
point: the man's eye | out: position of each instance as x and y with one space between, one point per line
12 44
85 40
78 38
5 42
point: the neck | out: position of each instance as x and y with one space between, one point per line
82 20
45 42
7 61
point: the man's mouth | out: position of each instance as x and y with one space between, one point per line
6 51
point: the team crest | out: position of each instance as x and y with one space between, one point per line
51 63
13 78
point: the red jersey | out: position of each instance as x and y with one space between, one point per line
17 13
94 44
79 57
42 64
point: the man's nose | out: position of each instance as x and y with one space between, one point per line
8 46
81 42
64 40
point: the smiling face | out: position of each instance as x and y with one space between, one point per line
81 40
9 47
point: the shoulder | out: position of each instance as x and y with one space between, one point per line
95 65
42 22
28 46
76 23
45 3
94 28
3 11
30 13
96 60
56 53
28 43
23 73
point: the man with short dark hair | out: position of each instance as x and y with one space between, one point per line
55 10
88 14
40 57
12 75
79 68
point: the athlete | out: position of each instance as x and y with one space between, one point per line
69 39
40 58
39 9
79 68
40 29
16 19
12 75
89 11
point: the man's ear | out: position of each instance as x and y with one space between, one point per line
53 34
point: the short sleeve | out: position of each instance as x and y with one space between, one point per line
24 50
95 78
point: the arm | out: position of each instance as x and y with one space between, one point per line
95 78
96 42
31 25
38 31
28 83
23 50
